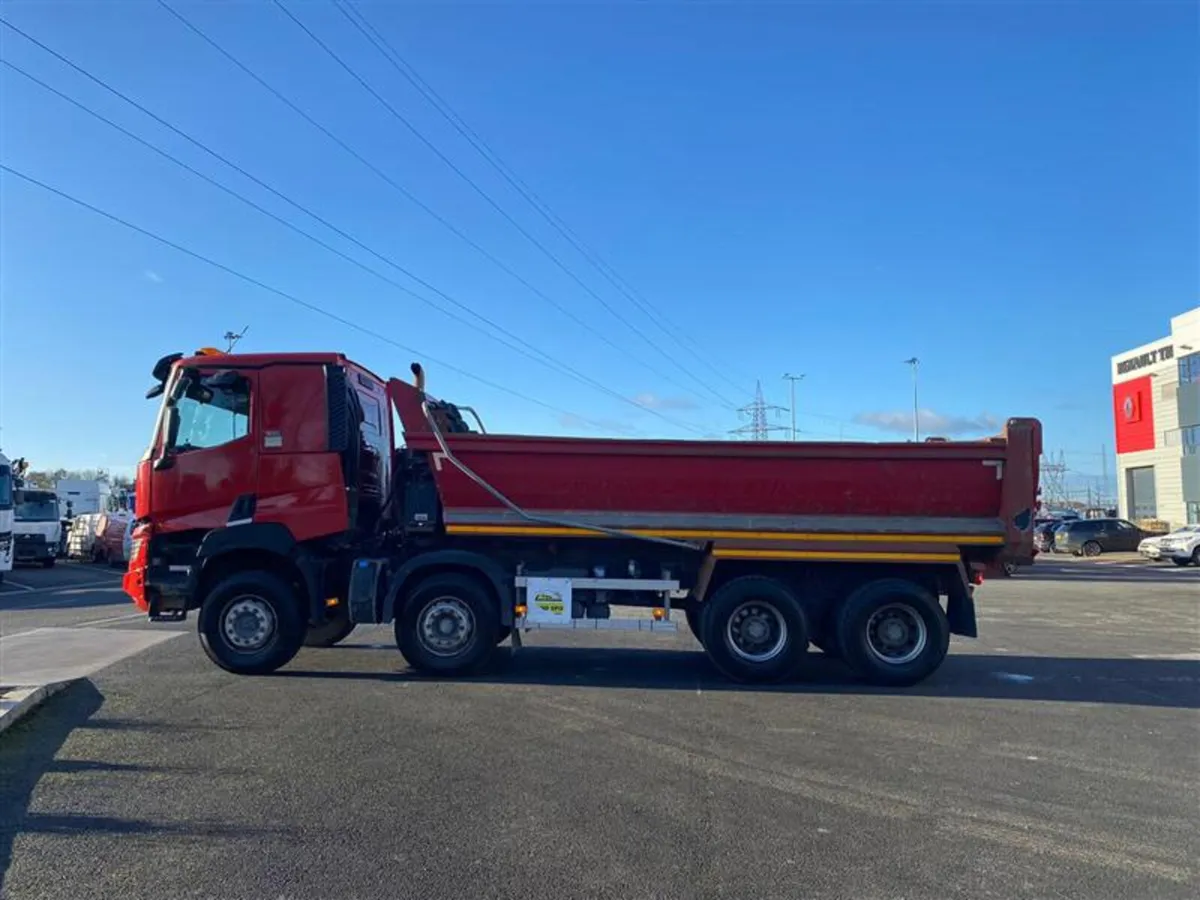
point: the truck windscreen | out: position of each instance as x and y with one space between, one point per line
6 498
36 506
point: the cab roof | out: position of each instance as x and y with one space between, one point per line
206 356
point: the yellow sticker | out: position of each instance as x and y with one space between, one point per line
551 603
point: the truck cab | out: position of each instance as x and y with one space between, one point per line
239 464
37 526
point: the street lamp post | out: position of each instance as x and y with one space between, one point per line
793 379
914 362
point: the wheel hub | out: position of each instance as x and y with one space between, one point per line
446 626
248 623
896 634
756 632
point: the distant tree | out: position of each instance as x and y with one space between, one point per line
47 478
122 482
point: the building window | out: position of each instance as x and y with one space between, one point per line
1189 368
1190 439
1193 513
1140 490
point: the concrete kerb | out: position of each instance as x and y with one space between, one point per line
18 702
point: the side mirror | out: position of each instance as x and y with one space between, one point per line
166 459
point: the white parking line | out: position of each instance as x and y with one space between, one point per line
109 620
8 582
61 588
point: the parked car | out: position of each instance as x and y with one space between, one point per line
1181 546
1043 536
1091 537
1151 547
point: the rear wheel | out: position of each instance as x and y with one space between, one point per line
449 626
250 623
692 613
332 631
893 632
754 629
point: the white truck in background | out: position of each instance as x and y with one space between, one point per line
78 496
37 526
6 516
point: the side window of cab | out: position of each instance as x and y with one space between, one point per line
215 412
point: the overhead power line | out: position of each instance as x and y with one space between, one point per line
542 248
516 343
292 298
359 20
412 198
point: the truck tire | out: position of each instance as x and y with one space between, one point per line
893 632
48 563
692 613
250 623
334 630
754 630
449 625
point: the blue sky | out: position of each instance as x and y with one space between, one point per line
1006 190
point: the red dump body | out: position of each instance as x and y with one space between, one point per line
832 495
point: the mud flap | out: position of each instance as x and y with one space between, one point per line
366 591
960 612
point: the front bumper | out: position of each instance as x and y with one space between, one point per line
167 591
33 549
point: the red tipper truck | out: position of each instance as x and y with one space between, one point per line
289 496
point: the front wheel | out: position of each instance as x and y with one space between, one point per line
754 630
1091 548
48 563
893 632
250 623
449 626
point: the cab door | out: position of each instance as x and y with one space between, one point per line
204 473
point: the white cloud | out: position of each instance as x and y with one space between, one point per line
654 401
932 423
151 275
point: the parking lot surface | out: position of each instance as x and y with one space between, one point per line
1058 756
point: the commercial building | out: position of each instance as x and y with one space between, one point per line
1156 407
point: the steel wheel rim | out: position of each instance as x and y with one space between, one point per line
756 632
896 634
446 626
248 623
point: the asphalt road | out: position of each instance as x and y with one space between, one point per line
1057 757
68 595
